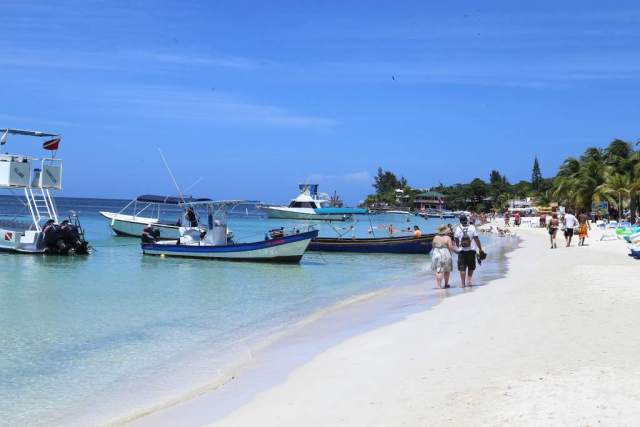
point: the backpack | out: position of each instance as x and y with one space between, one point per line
465 240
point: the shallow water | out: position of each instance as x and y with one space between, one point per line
109 334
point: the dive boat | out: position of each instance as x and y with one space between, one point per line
311 205
148 209
38 230
214 242
389 245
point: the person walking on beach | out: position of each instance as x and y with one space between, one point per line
467 240
583 228
569 222
441 259
516 219
553 226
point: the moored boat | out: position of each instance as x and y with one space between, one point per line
390 245
39 230
148 209
214 243
310 205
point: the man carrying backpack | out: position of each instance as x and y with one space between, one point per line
467 241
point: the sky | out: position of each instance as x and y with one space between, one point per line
246 99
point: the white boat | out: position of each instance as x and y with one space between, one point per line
214 243
311 205
148 209
37 230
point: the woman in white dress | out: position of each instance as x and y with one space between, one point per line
441 259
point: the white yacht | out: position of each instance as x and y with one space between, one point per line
311 205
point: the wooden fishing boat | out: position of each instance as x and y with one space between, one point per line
389 245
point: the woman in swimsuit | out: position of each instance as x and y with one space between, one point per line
553 226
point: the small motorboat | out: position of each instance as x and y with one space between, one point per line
389 245
153 209
279 245
311 205
39 230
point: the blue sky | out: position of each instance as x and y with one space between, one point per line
255 97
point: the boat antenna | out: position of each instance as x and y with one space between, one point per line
196 182
173 178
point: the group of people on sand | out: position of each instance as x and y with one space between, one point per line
464 241
568 224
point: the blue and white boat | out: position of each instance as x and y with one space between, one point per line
310 205
215 243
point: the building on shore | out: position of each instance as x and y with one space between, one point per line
429 200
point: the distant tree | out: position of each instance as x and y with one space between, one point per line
478 190
536 175
522 189
386 181
495 178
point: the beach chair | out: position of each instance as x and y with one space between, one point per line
610 231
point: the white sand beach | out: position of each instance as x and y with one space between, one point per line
555 342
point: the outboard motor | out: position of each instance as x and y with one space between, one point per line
150 234
52 237
216 232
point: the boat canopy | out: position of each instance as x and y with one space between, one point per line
170 200
27 132
341 211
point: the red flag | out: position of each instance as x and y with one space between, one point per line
51 144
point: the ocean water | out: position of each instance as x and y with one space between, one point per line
86 340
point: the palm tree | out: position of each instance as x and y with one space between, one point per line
615 186
577 181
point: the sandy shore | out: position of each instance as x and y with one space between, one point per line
555 342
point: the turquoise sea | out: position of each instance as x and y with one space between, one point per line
85 340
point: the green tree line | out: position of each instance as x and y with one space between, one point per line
609 174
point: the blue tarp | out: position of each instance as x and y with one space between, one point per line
169 200
341 211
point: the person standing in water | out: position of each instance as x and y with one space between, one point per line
467 240
583 228
553 226
441 259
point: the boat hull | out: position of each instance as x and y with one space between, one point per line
389 245
287 249
14 241
130 226
302 214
